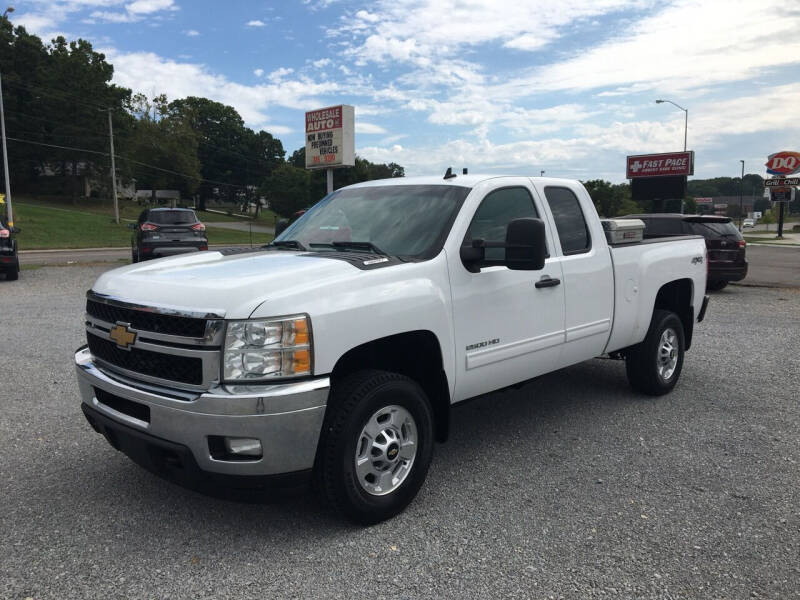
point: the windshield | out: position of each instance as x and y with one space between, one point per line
172 217
401 220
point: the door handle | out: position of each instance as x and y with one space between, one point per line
547 281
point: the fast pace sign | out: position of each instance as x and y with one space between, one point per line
330 137
658 165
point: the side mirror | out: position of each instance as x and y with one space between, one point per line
473 256
526 245
131 225
281 226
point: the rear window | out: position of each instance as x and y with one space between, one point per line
661 226
172 217
713 229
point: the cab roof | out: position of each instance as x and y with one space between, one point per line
468 181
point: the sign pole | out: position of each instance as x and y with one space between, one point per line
780 220
5 157
329 174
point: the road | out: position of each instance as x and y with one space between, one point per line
773 266
570 487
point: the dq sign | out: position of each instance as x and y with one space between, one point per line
783 163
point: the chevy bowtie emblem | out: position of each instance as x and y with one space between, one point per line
123 336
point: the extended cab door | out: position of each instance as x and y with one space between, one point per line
507 330
588 278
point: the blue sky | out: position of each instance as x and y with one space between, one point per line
517 87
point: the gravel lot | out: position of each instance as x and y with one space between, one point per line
571 487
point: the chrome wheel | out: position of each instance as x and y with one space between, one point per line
386 449
668 349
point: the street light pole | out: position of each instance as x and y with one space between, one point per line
741 192
5 157
685 120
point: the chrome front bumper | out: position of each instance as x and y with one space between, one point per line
287 418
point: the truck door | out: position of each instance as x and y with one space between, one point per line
506 328
587 270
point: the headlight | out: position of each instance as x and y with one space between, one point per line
263 349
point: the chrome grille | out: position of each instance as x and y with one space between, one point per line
173 346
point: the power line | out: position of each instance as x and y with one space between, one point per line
54 92
154 167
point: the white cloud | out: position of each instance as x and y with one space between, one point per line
134 11
420 30
258 72
594 150
255 23
368 128
181 79
322 62
278 74
685 45
144 7
192 32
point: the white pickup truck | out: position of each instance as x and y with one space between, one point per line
337 351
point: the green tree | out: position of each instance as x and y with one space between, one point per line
611 200
159 139
229 152
287 189
690 206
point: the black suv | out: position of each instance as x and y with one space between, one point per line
725 245
165 232
9 260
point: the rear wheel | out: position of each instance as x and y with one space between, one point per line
716 286
654 366
376 445
13 273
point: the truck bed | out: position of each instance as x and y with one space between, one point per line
640 271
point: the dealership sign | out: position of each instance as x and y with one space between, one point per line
783 163
659 165
330 137
702 200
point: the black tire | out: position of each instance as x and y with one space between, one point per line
642 360
715 286
13 273
134 256
353 402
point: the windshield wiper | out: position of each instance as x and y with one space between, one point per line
288 244
368 246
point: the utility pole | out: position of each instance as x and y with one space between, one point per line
5 157
113 169
741 192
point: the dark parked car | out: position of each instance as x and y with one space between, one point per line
725 245
282 224
166 232
9 260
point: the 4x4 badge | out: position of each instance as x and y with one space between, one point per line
123 336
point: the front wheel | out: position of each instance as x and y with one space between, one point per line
13 273
654 366
376 445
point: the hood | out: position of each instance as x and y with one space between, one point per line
213 282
